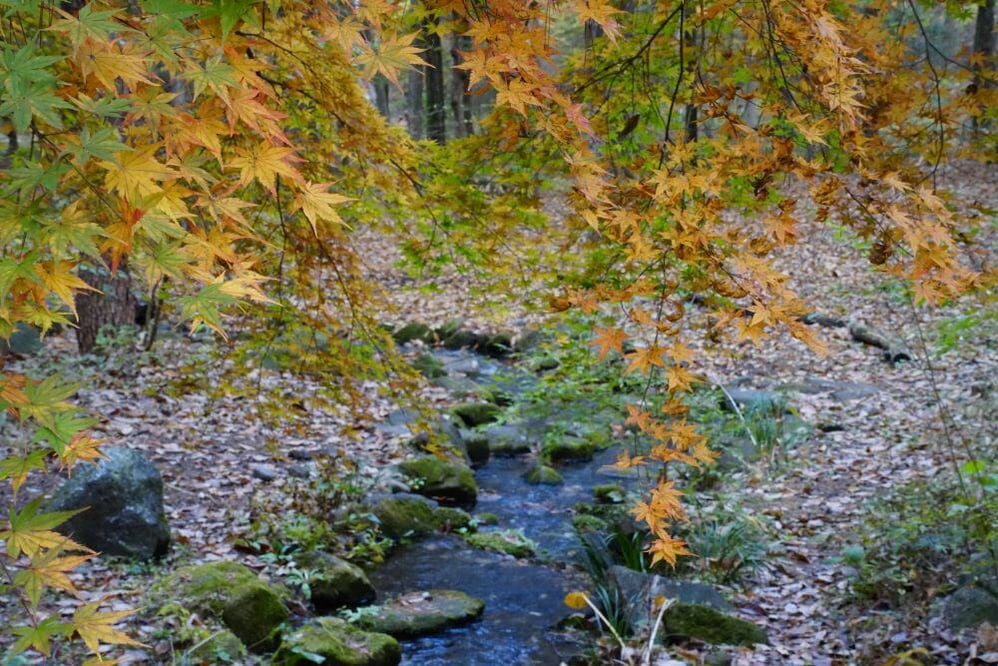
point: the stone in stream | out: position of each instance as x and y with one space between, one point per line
429 366
125 494
499 345
338 583
450 483
421 613
509 542
231 592
403 515
609 493
509 439
476 445
473 414
568 449
330 640
413 331
541 474
462 339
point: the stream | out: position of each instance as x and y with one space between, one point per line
523 599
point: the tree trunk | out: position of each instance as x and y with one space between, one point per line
984 49
381 98
461 98
436 101
414 103
112 307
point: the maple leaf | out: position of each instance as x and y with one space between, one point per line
516 94
667 549
61 281
609 339
95 627
30 532
48 569
317 204
135 174
107 62
81 447
646 358
264 162
600 12
393 54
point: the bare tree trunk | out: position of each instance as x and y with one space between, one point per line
436 101
984 49
112 306
414 103
461 98
381 98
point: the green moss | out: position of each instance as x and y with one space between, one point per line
413 331
447 482
711 626
510 542
610 493
329 640
474 414
404 516
429 366
222 647
255 615
421 613
487 518
568 449
542 474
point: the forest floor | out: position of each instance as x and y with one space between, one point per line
216 451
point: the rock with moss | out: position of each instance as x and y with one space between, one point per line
477 446
413 331
222 647
449 482
473 414
609 493
429 366
568 449
462 339
448 329
971 605
486 518
251 608
330 640
510 542
421 613
336 583
541 474
616 517
507 440
710 626
406 515
499 345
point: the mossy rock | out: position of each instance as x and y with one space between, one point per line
541 474
410 516
448 329
568 449
616 517
251 608
338 583
476 445
462 339
499 345
545 364
487 518
450 483
429 366
473 414
222 647
510 542
710 626
591 524
332 641
413 331
610 493
421 613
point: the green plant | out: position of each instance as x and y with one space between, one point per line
725 550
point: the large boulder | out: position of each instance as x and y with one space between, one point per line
404 515
125 494
330 640
231 592
450 483
421 613
338 583
971 604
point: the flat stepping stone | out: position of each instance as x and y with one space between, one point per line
421 613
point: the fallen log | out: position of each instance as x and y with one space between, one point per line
894 349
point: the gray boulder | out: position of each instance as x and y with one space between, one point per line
125 496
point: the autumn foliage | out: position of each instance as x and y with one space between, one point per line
225 151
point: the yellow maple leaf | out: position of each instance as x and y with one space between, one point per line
61 281
95 627
394 54
317 204
264 162
576 600
135 174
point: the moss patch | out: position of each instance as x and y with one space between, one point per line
711 626
330 640
510 542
